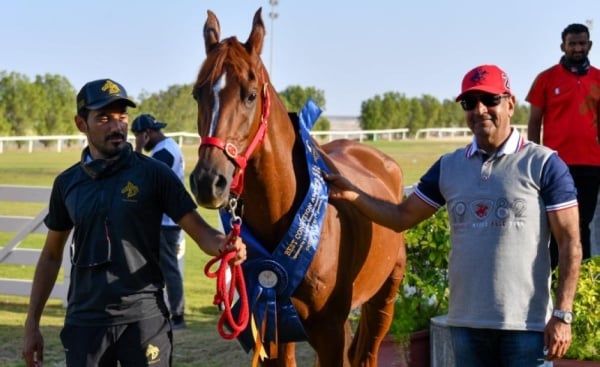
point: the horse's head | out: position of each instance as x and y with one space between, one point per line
233 105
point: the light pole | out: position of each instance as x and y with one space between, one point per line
273 15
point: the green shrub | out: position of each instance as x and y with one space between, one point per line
586 324
424 291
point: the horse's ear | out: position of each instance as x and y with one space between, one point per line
212 31
255 40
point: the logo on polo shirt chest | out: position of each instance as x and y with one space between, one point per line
481 208
130 190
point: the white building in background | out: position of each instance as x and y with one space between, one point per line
343 123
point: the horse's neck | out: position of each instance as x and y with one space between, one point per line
276 181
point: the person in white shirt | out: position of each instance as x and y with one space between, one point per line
149 137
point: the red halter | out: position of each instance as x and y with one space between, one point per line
240 161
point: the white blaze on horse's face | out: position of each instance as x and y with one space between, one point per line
218 87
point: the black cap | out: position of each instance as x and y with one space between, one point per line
146 121
99 93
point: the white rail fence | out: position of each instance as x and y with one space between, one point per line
36 141
10 253
21 227
454 132
80 140
361 135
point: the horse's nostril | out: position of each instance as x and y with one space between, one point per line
221 183
193 186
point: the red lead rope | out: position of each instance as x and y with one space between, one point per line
225 295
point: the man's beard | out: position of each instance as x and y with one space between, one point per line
112 150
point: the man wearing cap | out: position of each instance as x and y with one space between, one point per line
149 137
503 195
112 203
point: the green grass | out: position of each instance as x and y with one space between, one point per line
199 345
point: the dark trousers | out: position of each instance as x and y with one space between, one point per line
587 182
144 343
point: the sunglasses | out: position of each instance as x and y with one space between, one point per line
489 100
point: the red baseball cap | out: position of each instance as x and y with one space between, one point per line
485 78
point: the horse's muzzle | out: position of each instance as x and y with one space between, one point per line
210 189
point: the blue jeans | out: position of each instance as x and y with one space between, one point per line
170 240
497 348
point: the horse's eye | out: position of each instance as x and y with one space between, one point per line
250 99
196 94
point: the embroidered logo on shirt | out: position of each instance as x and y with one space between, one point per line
457 212
130 190
481 208
152 354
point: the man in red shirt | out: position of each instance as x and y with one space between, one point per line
565 100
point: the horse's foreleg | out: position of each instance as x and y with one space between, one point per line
328 341
375 320
286 356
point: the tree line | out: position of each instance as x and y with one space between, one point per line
394 110
45 105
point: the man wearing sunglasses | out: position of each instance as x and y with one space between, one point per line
565 100
113 200
504 195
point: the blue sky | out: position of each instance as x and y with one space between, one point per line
351 50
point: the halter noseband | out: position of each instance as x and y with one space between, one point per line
231 151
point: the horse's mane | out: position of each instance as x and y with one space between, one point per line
229 51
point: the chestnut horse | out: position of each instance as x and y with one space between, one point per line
252 148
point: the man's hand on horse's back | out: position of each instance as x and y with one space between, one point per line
341 187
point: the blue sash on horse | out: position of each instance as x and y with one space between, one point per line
272 278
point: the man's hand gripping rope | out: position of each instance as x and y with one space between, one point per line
224 295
